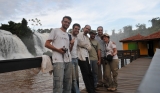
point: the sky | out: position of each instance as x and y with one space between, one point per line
111 14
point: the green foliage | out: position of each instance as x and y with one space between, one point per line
155 25
22 31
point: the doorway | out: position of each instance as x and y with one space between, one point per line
150 48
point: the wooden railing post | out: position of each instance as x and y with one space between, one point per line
131 58
122 59
122 62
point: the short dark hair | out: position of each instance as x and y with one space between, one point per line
68 17
87 25
76 24
99 27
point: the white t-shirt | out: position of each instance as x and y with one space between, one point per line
109 49
60 39
74 49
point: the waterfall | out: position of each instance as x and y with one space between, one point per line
11 46
39 41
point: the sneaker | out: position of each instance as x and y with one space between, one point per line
113 89
109 88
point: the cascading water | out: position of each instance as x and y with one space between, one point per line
11 47
39 40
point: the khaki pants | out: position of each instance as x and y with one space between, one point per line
111 73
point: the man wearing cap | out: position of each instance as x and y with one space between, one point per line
95 56
101 42
83 58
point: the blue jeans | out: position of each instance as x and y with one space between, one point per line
94 67
62 77
75 76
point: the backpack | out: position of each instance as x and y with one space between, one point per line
70 37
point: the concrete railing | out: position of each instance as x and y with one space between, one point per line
151 80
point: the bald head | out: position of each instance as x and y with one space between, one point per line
86 29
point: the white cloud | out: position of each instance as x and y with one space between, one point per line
98 12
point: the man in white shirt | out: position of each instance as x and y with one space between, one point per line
83 59
61 57
75 81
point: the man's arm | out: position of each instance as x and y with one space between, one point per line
71 44
114 51
99 53
48 45
99 56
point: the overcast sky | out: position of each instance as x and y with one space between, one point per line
111 14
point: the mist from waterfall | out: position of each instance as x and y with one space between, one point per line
11 47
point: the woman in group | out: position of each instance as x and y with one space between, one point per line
111 63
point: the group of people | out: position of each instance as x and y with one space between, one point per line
89 53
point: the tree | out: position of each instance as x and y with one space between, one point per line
155 22
35 22
141 29
155 25
23 32
127 30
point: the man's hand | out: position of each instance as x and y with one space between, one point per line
61 51
72 41
99 62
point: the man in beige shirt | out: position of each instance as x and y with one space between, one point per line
83 58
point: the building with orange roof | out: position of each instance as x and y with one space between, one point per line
146 44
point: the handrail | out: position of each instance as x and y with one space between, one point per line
27 63
19 64
127 54
151 80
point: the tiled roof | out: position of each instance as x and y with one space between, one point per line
153 36
139 37
133 38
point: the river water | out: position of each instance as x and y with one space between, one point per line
31 81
